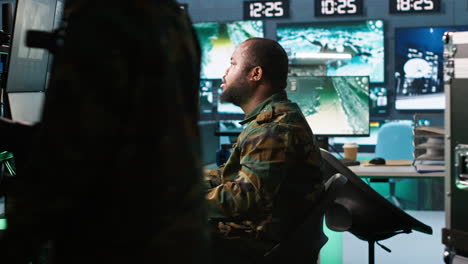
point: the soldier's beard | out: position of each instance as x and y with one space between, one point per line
238 93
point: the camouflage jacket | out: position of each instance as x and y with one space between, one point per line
272 176
120 114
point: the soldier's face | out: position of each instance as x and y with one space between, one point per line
236 87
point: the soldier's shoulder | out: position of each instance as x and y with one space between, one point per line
279 113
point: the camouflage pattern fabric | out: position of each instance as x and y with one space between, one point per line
103 181
270 180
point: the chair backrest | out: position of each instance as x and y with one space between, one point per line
395 141
359 209
305 241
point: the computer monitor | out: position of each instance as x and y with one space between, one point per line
366 143
419 61
227 108
29 68
230 127
347 48
378 100
229 130
205 98
218 41
332 105
213 86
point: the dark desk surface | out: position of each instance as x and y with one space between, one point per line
379 171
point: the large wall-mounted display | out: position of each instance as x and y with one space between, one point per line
218 41
333 105
419 83
347 48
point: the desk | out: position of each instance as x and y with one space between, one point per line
392 172
382 172
430 196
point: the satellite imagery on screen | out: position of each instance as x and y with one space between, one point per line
419 62
218 41
332 105
353 47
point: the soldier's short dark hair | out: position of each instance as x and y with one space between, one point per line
269 55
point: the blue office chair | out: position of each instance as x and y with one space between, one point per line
395 141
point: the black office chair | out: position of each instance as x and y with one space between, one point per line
303 244
359 209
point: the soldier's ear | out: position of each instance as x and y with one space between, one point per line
256 73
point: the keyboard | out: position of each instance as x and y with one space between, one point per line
348 162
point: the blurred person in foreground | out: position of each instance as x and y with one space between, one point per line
112 173
272 178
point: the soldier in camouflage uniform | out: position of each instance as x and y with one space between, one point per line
103 180
272 177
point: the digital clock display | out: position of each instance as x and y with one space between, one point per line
338 7
266 9
414 6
